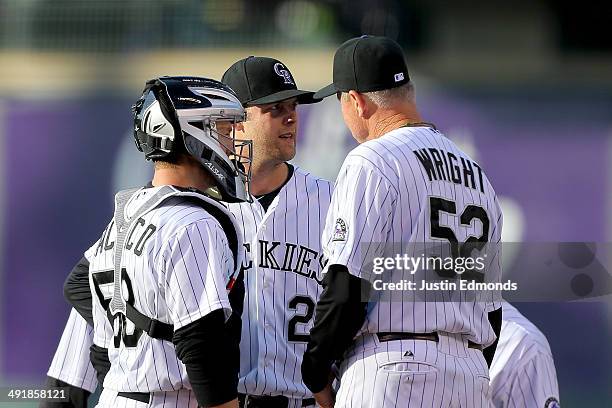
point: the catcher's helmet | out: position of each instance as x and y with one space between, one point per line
183 114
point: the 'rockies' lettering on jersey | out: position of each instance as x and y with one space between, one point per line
282 265
106 242
287 257
442 165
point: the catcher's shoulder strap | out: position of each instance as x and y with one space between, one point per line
223 216
124 224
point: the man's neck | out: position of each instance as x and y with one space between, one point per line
386 121
182 176
267 177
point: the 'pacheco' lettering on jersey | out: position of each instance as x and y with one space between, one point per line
442 165
287 257
136 240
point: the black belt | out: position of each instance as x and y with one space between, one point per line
268 401
138 396
391 336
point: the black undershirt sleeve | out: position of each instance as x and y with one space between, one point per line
77 292
77 397
209 351
495 319
340 313
98 356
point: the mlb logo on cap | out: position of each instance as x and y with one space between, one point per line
399 77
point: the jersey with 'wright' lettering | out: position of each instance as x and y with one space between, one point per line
410 189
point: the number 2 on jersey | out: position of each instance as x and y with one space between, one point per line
300 319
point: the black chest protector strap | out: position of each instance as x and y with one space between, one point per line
155 328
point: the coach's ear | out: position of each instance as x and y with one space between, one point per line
362 105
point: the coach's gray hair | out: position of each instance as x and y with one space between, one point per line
388 97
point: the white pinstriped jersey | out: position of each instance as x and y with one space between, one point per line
178 263
71 360
406 188
523 371
282 268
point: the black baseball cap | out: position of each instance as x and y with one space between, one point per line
261 80
367 64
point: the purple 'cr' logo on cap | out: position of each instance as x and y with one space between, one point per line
284 73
